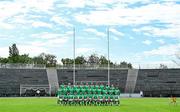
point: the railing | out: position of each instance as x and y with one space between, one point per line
135 66
157 66
88 66
22 66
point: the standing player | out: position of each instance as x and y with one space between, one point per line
173 100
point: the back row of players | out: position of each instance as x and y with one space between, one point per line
88 89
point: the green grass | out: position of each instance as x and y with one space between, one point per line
49 105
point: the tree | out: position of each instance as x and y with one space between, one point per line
25 59
125 65
80 60
93 59
103 60
48 59
67 61
38 60
13 51
13 59
162 66
3 60
13 54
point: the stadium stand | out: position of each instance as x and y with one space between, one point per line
11 79
158 82
153 82
86 94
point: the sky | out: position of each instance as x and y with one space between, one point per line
143 32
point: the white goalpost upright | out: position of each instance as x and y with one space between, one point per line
108 56
74 56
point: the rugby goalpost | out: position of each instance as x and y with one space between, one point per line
74 56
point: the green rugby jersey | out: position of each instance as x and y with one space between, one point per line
97 86
101 87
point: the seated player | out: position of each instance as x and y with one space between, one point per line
93 100
88 101
109 100
101 99
65 100
70 101
104 100
75 99
85 99
80 99
98 101
60 100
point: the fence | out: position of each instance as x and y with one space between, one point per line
22 66
135 66
88 66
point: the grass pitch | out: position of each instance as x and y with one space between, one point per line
49 105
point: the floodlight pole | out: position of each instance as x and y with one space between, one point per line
74 64
108 57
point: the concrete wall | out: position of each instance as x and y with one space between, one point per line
11 79
153 82
156 82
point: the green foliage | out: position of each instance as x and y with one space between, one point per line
39 59
14 57
25 59
3 60
103 60
93 59
48 59
13 51
67 61
80 60
125 65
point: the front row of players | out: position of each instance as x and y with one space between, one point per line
86 100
